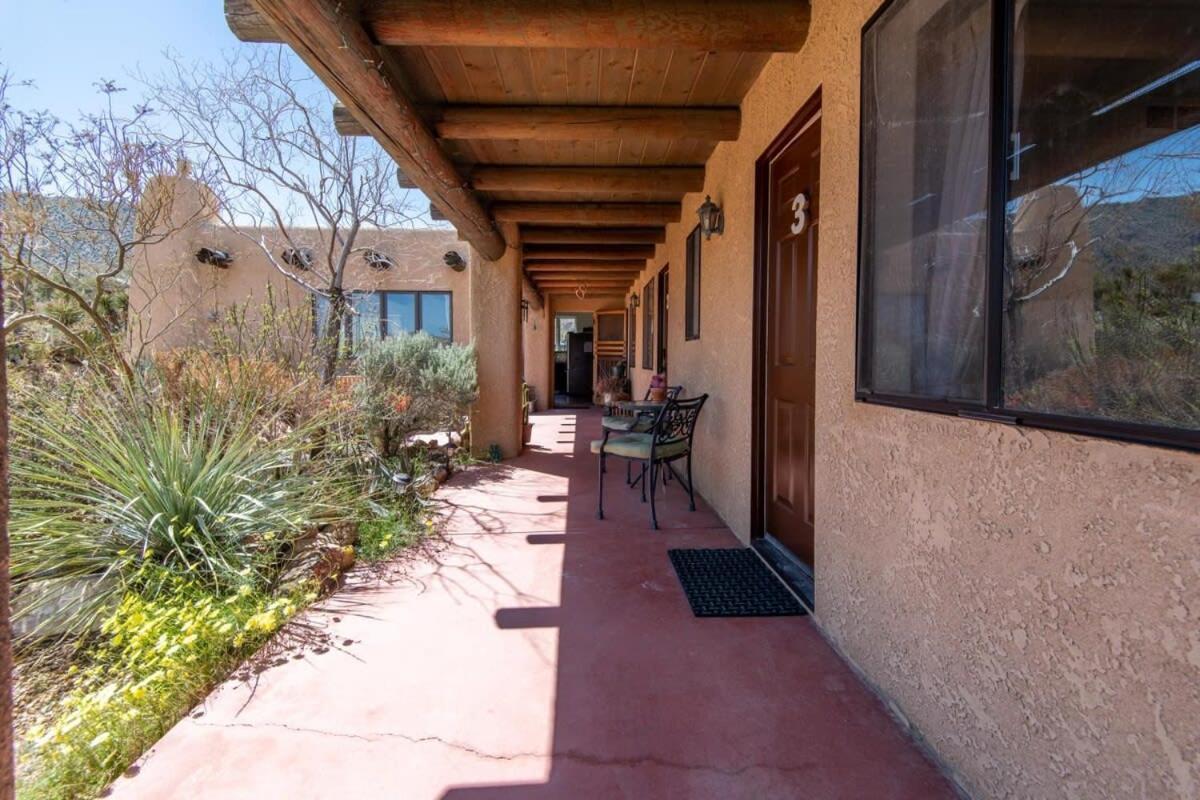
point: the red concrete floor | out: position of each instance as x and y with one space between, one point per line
545 654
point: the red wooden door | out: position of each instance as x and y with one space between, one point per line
790 319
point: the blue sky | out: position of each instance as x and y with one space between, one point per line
65 46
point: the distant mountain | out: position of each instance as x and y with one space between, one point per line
1156 231
77 237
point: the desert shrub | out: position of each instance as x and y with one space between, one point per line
106 481
414 384
159 655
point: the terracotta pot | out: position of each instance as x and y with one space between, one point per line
658 394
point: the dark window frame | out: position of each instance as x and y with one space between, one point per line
631 334
348 322
662 305
992 409
418 320
648 300
691 288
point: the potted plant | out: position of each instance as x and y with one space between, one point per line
658 389
610 388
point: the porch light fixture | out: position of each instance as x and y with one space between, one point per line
712 218
524 311
218 258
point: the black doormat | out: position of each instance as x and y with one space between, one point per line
731 582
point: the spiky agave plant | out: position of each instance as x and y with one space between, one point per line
105 486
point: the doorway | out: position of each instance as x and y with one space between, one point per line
573 354
787 226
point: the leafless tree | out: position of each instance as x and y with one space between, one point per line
78 202
286 179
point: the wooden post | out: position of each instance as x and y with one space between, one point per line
337 48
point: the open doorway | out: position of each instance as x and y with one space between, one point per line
573 358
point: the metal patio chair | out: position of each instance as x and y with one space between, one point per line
636 422
667 440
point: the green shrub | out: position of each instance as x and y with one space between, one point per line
105 482
414 384
159 656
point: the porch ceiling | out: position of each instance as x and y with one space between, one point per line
582 123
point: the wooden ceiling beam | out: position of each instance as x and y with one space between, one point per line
341 52
664 180
628 264
723 25
587 252
581 236
588 213
569 123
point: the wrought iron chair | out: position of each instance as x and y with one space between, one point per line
635 422
668 440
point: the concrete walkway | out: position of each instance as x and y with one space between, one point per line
544 654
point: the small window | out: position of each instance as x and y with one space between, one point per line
401 313
692 288
648 325
631 336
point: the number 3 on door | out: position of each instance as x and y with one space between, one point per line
800 206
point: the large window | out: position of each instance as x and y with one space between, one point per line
692 287
1030 230
382 314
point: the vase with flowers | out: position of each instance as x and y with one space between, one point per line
658 389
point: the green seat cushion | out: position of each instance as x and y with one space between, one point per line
637 445
636 424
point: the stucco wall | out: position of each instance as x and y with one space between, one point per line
1028 600
174 299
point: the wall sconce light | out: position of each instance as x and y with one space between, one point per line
454 261
634 301
218 258
524 311
712 218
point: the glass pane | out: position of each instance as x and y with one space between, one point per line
364 325
1102 294
926 119
320 314
401 313
435 315
565 325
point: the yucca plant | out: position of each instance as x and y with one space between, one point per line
112 480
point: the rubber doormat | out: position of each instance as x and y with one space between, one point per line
731 582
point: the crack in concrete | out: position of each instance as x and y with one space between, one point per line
571 755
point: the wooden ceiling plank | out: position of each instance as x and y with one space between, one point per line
590 252
666 180
627 235
342 54
753 25
585 264
587 213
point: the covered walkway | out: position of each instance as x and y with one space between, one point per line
545 654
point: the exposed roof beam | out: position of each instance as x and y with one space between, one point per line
663 180
571 123
731 25
579 123
340 51
588 213
633 265
542 235
592 252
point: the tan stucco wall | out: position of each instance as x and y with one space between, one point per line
174 299
496 288
1029 600
535 344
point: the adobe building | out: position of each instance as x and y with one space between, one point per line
934 263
